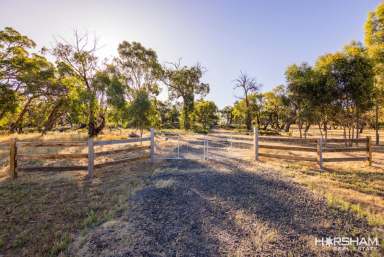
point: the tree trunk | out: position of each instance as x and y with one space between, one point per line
16 124
248 120
357 126
320 129
100 126
377 123
186 124
53 116
258 120
289 122
345 135
308 125
91 117
300 128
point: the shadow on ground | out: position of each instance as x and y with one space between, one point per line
221 208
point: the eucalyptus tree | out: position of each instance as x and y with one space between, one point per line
347 85
169 114
140 110
300 85
27 79
374 41
227 115
248 85
185 82
273 110
81 61
14 57
205 114
139 68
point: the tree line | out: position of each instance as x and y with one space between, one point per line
341 90
77 90
68 86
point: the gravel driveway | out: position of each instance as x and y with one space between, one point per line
221 208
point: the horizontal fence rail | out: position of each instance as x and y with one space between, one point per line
347 159
318 146
292 148
90 155
122 141
288 157
25 157
52 144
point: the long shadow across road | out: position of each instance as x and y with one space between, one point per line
194 208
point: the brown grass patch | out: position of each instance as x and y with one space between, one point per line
42 212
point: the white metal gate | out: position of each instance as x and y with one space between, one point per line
174 146
171 146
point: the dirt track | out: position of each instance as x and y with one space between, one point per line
220 208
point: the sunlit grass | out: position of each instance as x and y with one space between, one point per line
43 212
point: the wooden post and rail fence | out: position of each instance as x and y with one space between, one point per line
91 155
310 145
315 145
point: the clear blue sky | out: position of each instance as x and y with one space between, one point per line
259 37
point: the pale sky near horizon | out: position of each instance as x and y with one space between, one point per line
259 37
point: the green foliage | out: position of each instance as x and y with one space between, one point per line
140 111
226 115
139 67
249 86
168 114
204 115
78 91
184 82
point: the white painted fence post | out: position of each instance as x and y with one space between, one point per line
152 151
91 157
256 143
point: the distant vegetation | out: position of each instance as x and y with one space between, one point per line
68 86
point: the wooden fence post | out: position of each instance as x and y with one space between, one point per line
320 153
369 150
12 158
91 157
256 143
152 150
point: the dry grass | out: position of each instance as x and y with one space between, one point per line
332 133
81 134
259 234
350 186
42 212
354 187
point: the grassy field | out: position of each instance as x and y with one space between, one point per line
41 213
53 208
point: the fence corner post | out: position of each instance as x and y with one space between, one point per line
152 149
320 153
256 143
91 157
369 149
12 158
